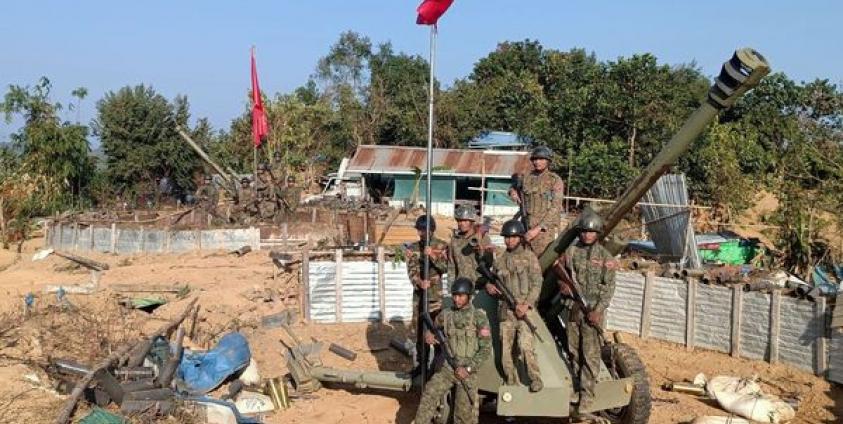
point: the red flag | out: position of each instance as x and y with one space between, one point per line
260 127
431 10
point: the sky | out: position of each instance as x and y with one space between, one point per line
201 48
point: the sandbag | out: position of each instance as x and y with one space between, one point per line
719 420
756 407
251 375
726 383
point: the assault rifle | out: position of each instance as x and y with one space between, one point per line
440 337
495 279
571 282
518 185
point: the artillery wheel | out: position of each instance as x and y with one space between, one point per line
627 363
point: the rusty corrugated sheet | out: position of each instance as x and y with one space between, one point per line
401 160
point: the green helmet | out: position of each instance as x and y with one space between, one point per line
541 152
513 227
421 223
465 212
590 221
462 285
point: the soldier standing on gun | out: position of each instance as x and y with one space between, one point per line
543 193
469 340
521 273
466 246
593 267
438 253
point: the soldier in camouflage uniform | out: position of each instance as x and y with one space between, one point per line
593 267
521 273
543 193
470 342
207 196
462 255
438 253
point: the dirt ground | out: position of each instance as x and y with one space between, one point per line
234 293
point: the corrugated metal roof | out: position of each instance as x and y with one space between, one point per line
498 139
468 163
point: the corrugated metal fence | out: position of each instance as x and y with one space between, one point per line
360 290
120 240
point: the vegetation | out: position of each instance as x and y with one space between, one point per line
604 119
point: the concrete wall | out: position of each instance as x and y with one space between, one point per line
800 338
625 309
668 312
115 239
798 334
712 318
755 326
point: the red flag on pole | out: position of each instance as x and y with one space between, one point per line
431 10
260 127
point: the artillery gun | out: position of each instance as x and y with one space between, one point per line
229 182
622 392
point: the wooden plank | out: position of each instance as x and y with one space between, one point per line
381 284
338 285
737 308
775 325
91 239
61 236
690 326
822 341
649 287
305 283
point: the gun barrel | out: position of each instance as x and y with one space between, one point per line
742 72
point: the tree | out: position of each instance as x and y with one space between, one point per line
137 129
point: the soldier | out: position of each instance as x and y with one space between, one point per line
246 208
438 253
466 246
520 272
469 340
594 269
266 196
207 196
543 193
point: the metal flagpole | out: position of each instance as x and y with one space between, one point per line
423 356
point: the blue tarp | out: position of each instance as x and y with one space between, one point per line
202 372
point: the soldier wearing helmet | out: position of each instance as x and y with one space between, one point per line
594 269
470 341
540 195
207 197
438 254
520 272
468 242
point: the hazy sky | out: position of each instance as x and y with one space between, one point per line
201 48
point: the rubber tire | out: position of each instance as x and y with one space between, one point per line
629 364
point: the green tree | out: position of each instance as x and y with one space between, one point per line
137 129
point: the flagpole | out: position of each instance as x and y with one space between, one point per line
423 356
254 146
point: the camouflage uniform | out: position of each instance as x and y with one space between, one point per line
543 196
462 257
594 268
470 341
415 267
521 273
208 197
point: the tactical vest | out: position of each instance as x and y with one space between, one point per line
462 337
538 194
515 273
